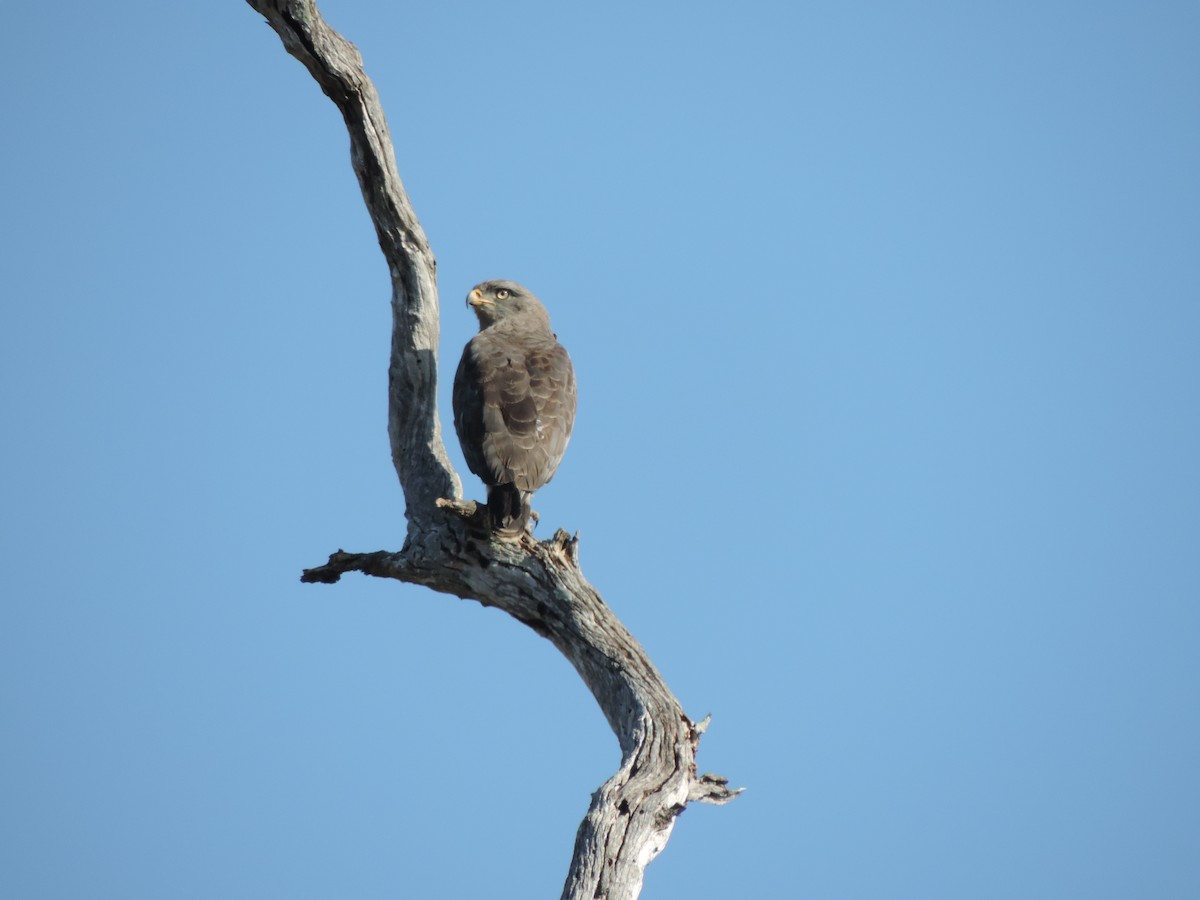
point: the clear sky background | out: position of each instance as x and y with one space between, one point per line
886 318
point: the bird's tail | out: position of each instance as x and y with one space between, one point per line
508 510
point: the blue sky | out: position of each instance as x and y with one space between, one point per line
885 318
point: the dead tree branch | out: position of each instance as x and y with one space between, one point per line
538 583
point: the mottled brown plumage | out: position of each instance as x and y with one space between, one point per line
514 401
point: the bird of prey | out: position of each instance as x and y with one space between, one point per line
514 401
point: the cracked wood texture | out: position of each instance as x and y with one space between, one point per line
539 583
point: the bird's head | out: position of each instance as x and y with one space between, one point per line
494 301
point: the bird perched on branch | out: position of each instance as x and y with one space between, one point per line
514 401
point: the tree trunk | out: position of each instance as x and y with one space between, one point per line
538 583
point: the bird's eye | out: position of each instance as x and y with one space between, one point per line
502 294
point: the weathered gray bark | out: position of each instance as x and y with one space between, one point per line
538 583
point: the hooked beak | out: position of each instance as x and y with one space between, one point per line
476 299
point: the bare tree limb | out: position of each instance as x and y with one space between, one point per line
417 450
538 583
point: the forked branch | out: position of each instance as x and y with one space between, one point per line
538 583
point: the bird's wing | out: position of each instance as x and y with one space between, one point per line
513 410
